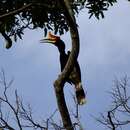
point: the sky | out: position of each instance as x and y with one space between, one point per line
104 55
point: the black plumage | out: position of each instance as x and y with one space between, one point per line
75 75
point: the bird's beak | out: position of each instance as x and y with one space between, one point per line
50 39
47 40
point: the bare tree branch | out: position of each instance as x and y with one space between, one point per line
23 115
110 120
120 106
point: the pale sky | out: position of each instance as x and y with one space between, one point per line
104 55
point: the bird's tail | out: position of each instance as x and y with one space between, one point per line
80 94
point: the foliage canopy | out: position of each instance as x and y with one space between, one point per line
17 15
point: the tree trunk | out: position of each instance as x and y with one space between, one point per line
59 83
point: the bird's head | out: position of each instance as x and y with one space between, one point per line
55 40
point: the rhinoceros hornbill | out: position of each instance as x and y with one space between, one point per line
75 75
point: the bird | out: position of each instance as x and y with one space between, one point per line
75 75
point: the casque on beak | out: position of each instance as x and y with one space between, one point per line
50 39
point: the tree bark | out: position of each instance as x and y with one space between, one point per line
59 83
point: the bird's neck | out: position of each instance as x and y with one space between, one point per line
62 55
61 51
63 59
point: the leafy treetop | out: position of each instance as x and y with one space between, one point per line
17 15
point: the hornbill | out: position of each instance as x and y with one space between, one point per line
75 76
